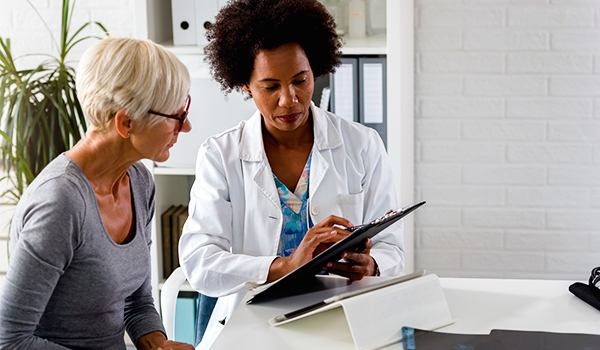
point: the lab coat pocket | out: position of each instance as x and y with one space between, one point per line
352 206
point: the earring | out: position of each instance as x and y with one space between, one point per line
128 134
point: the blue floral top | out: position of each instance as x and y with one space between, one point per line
296 220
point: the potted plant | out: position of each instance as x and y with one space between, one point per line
40 115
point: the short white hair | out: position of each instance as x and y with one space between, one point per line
133 75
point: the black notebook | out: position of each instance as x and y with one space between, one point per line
295 281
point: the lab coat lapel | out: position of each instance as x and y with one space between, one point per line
326 137
252 152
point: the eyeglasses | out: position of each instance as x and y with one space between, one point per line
181 118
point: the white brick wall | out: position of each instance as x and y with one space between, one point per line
20 23
508 137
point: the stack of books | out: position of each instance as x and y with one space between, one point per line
172 221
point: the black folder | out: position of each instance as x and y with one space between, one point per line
300 279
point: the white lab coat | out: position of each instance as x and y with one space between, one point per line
232 234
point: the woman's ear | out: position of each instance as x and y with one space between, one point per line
247 89
123 124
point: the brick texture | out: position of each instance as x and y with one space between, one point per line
28 34
508 137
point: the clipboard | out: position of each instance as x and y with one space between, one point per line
295 281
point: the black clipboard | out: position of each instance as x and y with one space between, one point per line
295 281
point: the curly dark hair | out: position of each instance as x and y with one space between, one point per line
244 27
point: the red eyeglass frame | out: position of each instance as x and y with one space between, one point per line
181 118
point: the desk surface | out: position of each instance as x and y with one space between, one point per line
478 305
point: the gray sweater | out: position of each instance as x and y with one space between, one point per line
69 285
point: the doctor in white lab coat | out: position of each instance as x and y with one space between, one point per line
232 239
232 234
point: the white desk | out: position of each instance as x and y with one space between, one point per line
478 305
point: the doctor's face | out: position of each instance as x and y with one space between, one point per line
282 85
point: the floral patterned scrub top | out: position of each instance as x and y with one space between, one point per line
296 220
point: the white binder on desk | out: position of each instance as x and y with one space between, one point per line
184 22
375 316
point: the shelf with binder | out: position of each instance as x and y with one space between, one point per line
358 91
172 192
160 22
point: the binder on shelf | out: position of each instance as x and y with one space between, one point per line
206 10
376 315
184 22
359 92
191 19
344 89
325 98
186 317
165 219
373 94
175 235
177 220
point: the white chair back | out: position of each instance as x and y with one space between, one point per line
168 300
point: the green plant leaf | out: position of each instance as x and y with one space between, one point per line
77 33
40 114
102 27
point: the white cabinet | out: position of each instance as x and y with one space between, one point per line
153 21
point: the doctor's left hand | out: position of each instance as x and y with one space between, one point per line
356 265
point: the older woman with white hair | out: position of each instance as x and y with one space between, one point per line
80 236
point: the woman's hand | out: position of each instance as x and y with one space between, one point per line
174 345
157 341
317 239
357 264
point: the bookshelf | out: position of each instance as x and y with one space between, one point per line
153 21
